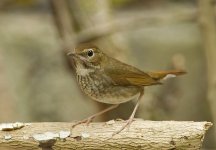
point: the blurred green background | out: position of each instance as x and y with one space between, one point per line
37 82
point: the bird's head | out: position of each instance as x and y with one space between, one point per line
86 56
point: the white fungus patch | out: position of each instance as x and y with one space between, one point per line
85 135
7 137
25 137
110 122
12 126
45 136
64 134
50 135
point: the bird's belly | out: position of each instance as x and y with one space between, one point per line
105 92
118 94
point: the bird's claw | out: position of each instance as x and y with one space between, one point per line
87 121
128 123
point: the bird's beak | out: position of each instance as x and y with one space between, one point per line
71 54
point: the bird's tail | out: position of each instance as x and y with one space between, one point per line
163 75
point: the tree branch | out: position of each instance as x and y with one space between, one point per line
136 21
64 23
141 135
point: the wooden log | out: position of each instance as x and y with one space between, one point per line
141 135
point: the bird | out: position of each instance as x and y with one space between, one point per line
108 80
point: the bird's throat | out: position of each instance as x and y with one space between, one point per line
83 71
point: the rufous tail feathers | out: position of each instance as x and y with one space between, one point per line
163 75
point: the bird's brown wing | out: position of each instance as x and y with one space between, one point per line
123 74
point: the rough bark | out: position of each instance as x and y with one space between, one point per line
208 30
140 135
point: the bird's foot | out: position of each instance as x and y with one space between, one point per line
127 124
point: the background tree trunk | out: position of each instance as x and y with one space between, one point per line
208 29
7 99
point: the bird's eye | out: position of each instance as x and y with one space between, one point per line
90 53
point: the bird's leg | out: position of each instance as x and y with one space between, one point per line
130 120
90 118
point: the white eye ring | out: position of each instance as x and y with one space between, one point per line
90 53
